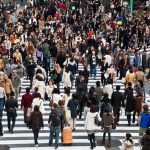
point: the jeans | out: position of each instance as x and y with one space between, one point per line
56 131
9 118
1 107
93 70
36 136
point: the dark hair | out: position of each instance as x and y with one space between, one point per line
12 93
118 87
61 103
141 83
98 83
93 109
38 95
56 91
131 70
145 108
36 108
148 131
27 89
55 105
108 81
38 71
89 103
67 69
129 84
67 91
74 95
80 73
128 138
106 95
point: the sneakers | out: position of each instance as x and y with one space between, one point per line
109 145
36 145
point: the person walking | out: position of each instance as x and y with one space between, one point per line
129 102
26 103
10 105
117 100
90 125
107 120
2 100
54 124
36 123
16 81
145 142
73 106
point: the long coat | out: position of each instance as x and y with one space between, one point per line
73 106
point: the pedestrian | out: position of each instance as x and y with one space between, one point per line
73 106
99 91
107 120
145 142
144 121
16 81
128 143
36 123
90 125
117 101
26 102
10 105
2 100
54 124
129 102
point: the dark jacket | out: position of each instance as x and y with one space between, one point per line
146 142
11 103
117 99
130 100
73 106
55 118
36 120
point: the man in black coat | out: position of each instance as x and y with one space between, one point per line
11 104
117 100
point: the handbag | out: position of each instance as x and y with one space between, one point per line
113 125
97 121
12 110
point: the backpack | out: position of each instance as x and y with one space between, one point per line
56 117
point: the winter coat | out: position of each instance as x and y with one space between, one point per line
73 106
117 99
144 120
138 104
41 88
90 121
66 79
8 86
146 142
33 117
56 98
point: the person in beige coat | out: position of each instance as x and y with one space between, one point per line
139 75
8 86
129 77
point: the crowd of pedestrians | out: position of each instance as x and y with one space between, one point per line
45 44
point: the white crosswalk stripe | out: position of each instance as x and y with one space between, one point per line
22 139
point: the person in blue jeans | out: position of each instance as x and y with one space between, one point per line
54 124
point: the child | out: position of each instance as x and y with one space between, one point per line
128 143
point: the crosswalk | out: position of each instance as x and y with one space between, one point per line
22 139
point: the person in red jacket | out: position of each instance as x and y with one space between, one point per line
26 103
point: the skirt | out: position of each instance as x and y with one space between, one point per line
108 129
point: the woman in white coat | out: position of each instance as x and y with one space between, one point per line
90 125
39 102
66 78
40 84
